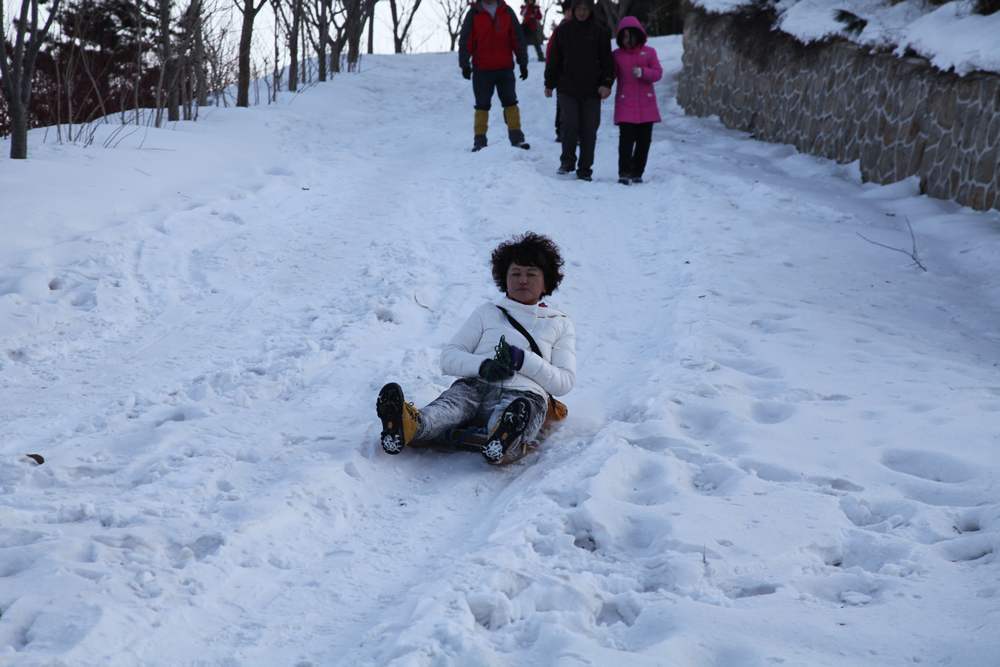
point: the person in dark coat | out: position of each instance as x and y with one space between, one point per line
581 70
490 40
566 7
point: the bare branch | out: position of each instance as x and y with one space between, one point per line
912 254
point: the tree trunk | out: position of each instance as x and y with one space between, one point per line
246 37
324 27
137 81
397 41
371 27
173 91
354 46
18 132
337 48
293 47
168 76
201 82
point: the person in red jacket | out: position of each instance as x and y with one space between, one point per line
491 38
531 23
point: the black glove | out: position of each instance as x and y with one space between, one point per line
467 72
492 370
524 72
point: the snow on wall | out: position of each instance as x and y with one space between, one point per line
952 37
897 116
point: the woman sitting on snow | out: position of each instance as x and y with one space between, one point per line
503 382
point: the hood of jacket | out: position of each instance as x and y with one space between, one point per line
631 22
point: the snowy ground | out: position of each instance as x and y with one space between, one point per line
782 448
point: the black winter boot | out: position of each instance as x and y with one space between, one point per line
400 420
506 443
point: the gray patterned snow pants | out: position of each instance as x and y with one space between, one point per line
474 400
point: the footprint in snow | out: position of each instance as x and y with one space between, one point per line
774 324
932 466
880 516
862 551
19 538
741 588
716 479
769 472
181 415
622 608
767 412
975 548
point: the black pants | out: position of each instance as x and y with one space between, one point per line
579 118
534 38
633 148
485 81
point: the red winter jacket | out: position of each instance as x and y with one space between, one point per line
531 17
491 42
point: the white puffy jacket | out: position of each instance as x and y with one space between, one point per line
554 372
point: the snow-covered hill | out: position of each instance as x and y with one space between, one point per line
782 447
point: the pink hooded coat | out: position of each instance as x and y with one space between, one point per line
635 101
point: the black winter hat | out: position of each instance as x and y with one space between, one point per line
589 4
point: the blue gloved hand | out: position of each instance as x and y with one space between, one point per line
516 357
467 72
524 72
492 370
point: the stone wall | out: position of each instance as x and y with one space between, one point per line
898 116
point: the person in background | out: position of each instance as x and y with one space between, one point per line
566 7
581 69
511 357
490 40
531 24
637 68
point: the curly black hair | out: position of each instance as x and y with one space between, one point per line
528 249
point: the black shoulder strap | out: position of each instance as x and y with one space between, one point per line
524 332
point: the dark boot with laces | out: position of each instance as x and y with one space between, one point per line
400 420
506 443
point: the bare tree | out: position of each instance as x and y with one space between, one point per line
192 26
317 15
291 22
453 11
18 68
220 61
249 9
347 22
402 19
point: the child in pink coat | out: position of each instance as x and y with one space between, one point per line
637 68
